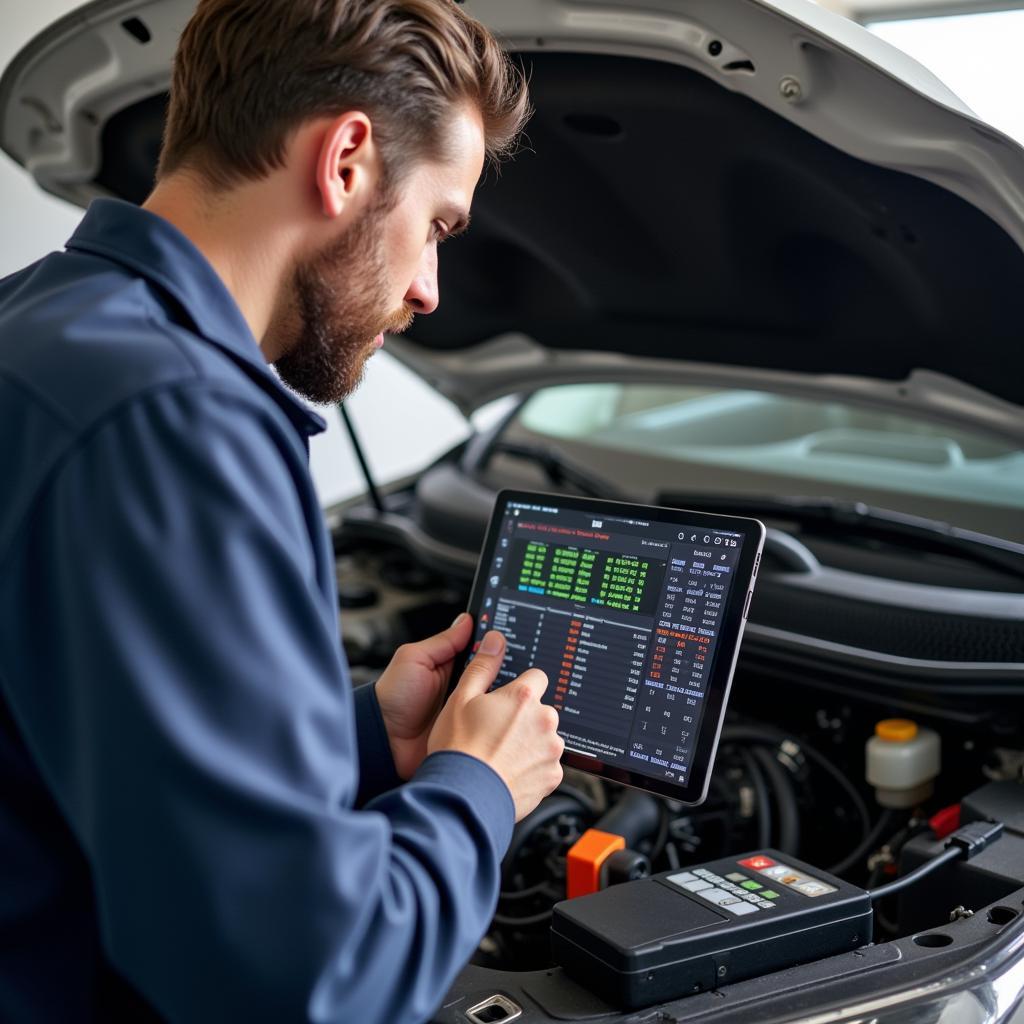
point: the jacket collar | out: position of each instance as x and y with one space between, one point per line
154 248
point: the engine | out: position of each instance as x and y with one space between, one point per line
789 774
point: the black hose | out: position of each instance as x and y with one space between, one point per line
658 844
763 807
866 846
504 921
788 840
549 808
539 889
775 738
584 798
673 856
635 816
845 784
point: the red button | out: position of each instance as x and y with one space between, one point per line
757 863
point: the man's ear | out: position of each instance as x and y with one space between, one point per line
347 162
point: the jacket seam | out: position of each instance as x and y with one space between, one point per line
182 349
41 400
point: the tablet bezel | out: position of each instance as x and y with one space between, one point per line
730 631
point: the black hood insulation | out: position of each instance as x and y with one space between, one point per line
654 212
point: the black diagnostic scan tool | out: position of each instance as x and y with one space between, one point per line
701 927
635 613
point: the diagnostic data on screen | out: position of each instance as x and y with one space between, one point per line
624 616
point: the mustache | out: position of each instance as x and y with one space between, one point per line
399 322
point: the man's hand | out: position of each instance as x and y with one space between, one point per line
510 729
411 691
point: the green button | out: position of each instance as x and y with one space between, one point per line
751 885
768 894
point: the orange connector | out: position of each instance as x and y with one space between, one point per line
586 858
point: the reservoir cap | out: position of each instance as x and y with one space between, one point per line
896 730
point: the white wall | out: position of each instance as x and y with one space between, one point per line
402 423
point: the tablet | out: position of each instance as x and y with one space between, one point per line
635 613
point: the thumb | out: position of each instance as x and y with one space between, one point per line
442 647
483 669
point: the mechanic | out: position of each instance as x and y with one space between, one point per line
199 820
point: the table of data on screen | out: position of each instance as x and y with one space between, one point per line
626 628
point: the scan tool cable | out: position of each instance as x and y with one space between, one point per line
964 843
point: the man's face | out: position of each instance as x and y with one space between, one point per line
381 273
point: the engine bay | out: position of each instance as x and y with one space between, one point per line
790 774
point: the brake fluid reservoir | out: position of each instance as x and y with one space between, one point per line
902 762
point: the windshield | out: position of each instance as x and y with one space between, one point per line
658 439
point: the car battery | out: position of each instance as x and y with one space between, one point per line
691 930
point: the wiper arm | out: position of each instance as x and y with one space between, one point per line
855 516
559 470
1004 555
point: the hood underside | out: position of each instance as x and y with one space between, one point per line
661 215
739 184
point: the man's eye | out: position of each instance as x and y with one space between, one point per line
440 230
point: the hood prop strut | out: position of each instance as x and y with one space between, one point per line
357 447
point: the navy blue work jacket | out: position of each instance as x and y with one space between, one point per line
198 821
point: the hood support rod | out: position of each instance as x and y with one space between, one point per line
371 486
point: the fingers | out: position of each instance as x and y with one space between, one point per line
483 669
530 686
550 718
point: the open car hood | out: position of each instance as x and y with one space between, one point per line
725 191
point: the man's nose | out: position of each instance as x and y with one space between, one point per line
422 296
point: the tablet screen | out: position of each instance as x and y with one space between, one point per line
627 610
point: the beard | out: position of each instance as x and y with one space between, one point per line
338 305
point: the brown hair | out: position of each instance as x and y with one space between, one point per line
247 73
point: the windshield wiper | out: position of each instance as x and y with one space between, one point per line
865 520
559 470
834 515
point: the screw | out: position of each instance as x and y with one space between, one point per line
722 971
791 89
714 47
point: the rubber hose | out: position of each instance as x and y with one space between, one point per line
775 738
788 840
635 816
866 846
550 807
764 807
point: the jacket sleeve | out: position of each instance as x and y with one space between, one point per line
377 772
183 690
